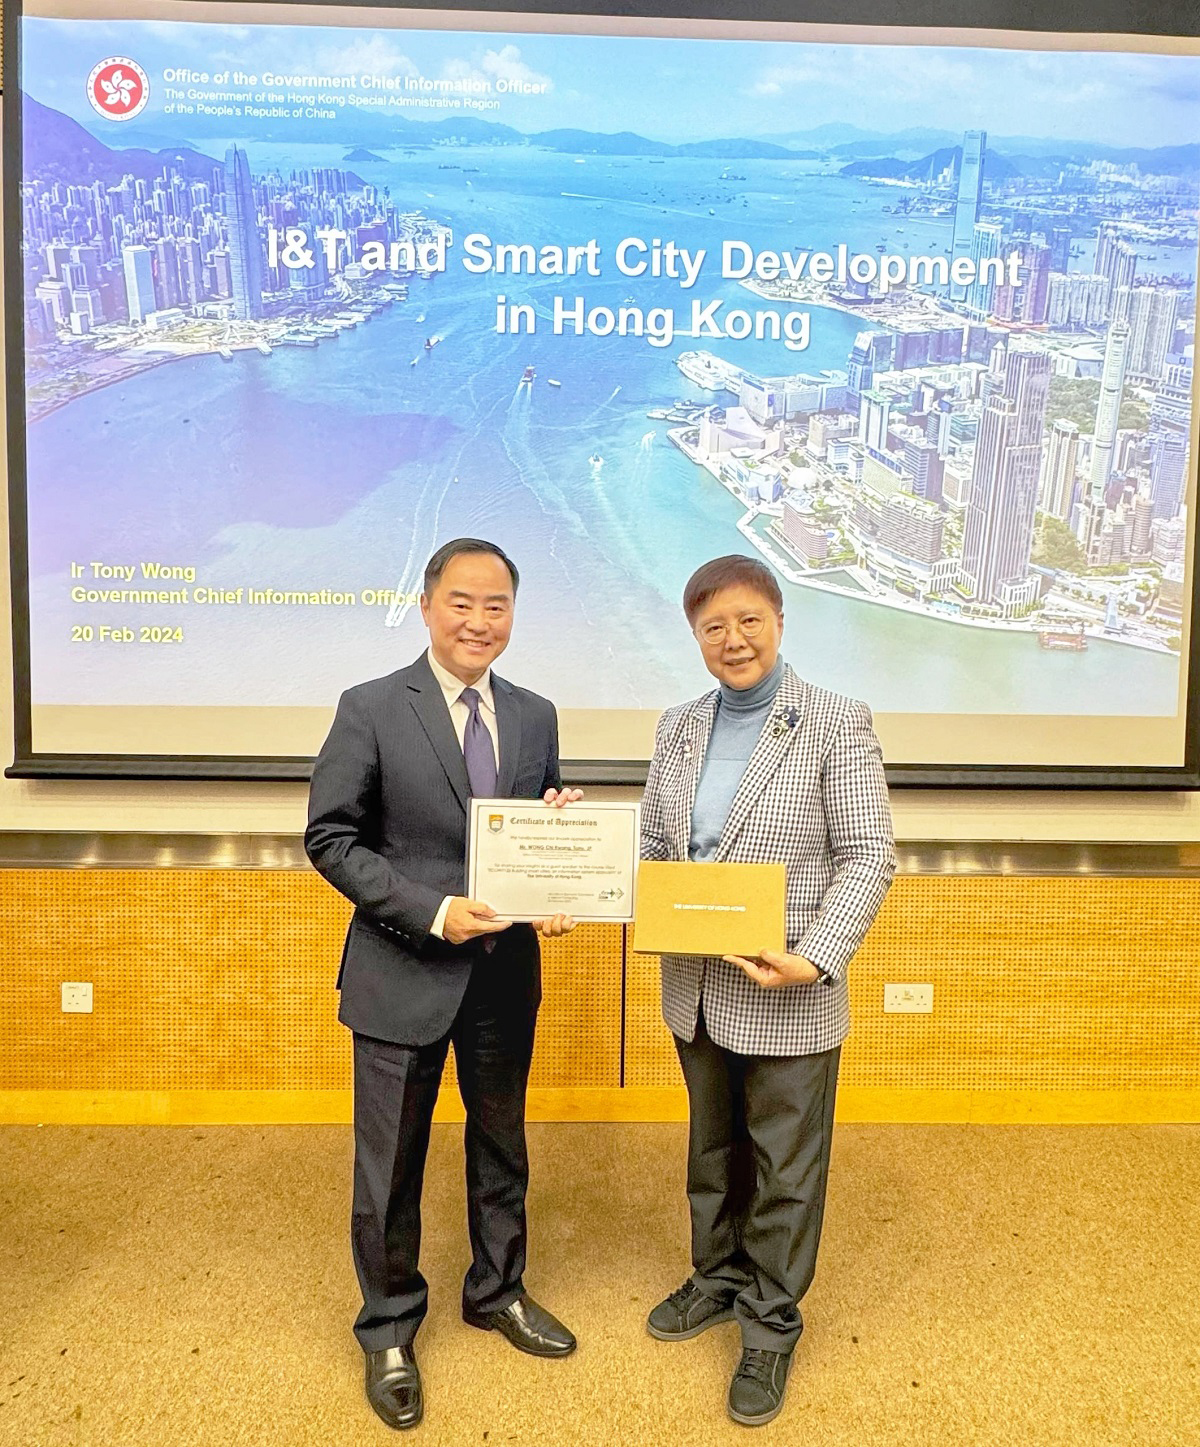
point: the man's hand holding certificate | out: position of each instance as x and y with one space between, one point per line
554 866
558 924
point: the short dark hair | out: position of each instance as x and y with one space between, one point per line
731 571
436 566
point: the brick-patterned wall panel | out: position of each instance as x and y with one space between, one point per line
212 979
1039 984
224 980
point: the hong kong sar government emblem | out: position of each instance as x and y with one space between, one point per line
118 88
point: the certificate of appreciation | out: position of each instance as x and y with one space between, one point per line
529 860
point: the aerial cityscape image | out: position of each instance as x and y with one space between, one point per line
914 324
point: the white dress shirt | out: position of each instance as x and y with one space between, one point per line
452 689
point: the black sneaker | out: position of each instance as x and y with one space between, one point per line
686 1313
756 1392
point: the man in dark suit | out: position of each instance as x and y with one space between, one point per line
423 966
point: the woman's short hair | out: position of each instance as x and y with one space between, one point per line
731 571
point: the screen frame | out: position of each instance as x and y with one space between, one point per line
1172 18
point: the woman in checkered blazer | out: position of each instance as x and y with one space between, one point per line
766 767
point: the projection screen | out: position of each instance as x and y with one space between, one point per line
297 292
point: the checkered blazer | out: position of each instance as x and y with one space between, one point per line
814 796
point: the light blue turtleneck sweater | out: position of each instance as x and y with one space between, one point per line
741 715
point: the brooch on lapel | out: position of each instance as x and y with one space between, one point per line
687 748
783 721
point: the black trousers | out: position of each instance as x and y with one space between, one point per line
758 1162
395 1089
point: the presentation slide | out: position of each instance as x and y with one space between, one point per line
310 289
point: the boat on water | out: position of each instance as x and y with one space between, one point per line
414 361
596 460
225 354
527 377
1062 635
553 382
431 342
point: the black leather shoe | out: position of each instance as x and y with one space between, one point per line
394 1386
686 1313
756 1392
529 1327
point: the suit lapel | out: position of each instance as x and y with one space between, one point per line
783 727
429 703
693 744
508 726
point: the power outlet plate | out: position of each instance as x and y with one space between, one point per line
77 997
908 999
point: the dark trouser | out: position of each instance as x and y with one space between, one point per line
758 1162
395 1088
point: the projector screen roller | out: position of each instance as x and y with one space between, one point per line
299 292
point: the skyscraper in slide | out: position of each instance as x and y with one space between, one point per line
970 190
1058 472
1151 314
985 246
1116 262
245 247
1168 469
139 282
1108 410
998 530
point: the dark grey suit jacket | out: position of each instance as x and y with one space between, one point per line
387 827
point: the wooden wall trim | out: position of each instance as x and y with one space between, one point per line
269 853
855 1106
1054 999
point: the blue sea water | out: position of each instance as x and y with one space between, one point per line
344 466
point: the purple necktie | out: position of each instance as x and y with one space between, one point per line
477 749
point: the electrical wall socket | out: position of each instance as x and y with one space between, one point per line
908 999
77 997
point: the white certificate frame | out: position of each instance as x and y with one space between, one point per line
481 884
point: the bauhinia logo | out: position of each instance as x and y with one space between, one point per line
118 88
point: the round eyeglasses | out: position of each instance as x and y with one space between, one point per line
749 625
